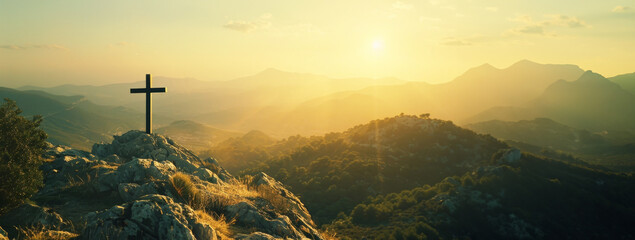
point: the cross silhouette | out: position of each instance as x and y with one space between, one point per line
148 90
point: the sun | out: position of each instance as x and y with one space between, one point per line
378 45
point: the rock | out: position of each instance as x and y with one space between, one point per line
150 217
131 191
247 214
31 215
296 211
256 236
136 171
137 144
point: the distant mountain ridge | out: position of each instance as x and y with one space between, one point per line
476 90
591 102
73 120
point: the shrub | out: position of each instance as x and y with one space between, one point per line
21 146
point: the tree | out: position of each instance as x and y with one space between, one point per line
21 146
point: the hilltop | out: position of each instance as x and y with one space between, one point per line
145 186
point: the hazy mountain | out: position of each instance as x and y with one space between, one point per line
195 136
476 90
73 120
591 102
194 99
626 81
542 132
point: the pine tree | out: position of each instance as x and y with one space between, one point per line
21 146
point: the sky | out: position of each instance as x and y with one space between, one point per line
50 43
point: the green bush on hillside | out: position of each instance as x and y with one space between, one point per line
21 145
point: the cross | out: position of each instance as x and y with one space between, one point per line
148 90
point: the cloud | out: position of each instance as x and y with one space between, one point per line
466 41
451 41
491 9
266 16
540 27
248 26
33 46
622 9
398 5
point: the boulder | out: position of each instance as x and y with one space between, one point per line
28 214
296 211
256 236
150 217
136 171
247 214
137 144
132 191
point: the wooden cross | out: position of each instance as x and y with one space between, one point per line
148 90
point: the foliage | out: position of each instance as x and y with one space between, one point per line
335 172
21 145
533 198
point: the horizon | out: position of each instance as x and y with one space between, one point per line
161 77
94 44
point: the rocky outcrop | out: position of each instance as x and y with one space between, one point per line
125 190
150 217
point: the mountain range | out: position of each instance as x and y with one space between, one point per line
282 104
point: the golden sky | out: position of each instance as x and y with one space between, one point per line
100 42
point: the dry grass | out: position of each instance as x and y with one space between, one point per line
279 203
328 234
220 223
211 198
41 233
184 187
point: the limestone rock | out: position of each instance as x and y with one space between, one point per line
256 236
137 144
297 213
31 215
248 215
150 217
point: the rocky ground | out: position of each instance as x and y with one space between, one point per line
144 186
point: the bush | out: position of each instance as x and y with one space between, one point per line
22 144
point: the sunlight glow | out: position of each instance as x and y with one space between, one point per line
378 45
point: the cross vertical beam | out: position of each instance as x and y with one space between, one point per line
148 90
148 104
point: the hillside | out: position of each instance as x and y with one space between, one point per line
73 120
519 196
144 186
626 81
335 172
591 102
545 136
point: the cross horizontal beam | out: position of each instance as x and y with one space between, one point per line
145 90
